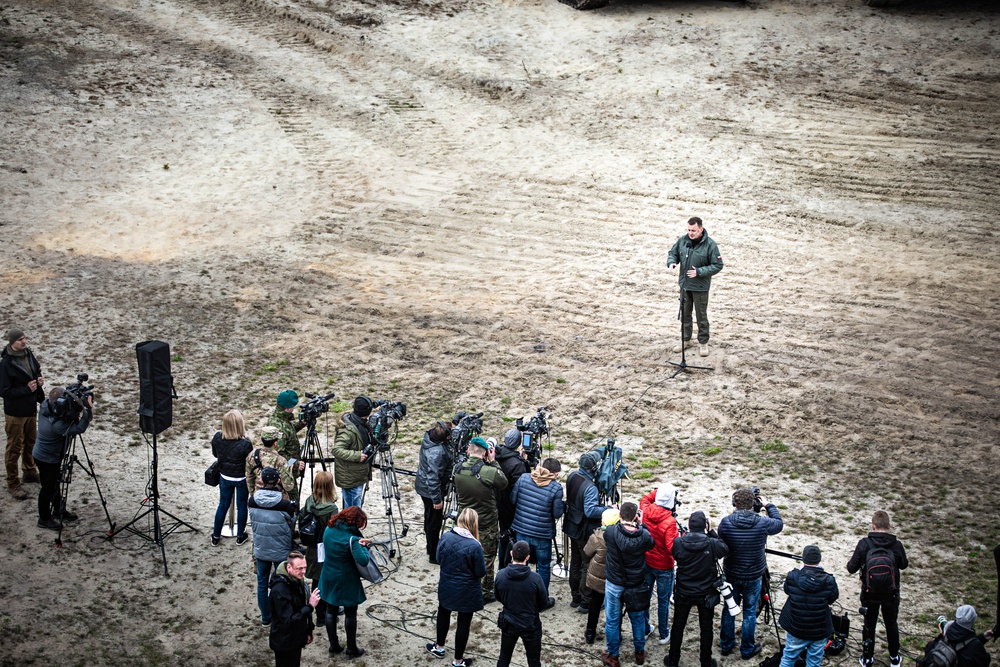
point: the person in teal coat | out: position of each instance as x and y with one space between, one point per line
339 581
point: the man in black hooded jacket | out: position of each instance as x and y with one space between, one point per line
961 636
291 611
806 615
696 555
873 601
522 594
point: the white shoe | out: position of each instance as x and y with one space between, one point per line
650 630
895 660
665 640
703 350
688 344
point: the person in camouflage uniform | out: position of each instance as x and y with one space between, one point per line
478 482
283 418
268 456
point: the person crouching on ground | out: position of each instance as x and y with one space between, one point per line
291 611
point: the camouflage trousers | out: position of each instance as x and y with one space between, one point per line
489 537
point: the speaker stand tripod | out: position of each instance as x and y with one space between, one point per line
683 365
157 532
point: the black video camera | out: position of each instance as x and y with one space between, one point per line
382 425
466 427
310 411
531 436
70 405
757 505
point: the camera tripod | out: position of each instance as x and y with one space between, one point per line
683 365
66 467
311 453
382 459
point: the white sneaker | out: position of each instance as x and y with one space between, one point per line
895 660
665 640
865 662
650 630
688 344
703 350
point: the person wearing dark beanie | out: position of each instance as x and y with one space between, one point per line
806 616
21 388
696 555
352 470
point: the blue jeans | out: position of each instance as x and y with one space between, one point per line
226 492
749 592
352 497
794 646
613 621
664 580
543 549
264 568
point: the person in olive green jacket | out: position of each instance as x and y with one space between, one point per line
699 259
478 483
351 469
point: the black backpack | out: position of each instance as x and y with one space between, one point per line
939 653
309 528
881 576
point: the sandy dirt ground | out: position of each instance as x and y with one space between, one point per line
469 205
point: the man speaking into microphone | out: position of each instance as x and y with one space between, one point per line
699 259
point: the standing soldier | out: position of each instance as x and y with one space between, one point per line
477 483
267 456
283 418
21 388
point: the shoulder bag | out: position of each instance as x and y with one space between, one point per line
212 474
369 572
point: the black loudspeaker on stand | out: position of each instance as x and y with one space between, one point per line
156 395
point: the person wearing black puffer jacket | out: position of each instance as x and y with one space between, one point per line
627 542
806 615
433 473
745 532
522 594
291 611
696 555
231 448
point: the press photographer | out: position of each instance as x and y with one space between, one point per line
433 473
65 414
352 471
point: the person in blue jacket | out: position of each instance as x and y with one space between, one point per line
460 557
806 616
745 532
538 502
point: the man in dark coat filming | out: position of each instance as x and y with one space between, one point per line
699 259
60 419
806 615
291 611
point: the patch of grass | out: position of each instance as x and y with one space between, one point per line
642 474
775 445
711 451
560 380
650 463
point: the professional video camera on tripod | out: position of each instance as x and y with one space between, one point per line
383 427
311 451
466 427
531 436
62 421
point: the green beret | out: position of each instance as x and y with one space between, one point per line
288 399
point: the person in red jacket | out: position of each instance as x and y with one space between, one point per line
658 515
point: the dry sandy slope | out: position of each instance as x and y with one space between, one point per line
469 205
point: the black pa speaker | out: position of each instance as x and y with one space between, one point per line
156 386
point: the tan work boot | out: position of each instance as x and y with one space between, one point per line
688 344
703 350
18 492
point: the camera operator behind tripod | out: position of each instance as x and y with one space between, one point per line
62 417
352 439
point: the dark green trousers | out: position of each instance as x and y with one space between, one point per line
699 302
489 537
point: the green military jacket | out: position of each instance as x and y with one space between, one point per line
349 471
270 457
702 254
480 494
288 444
